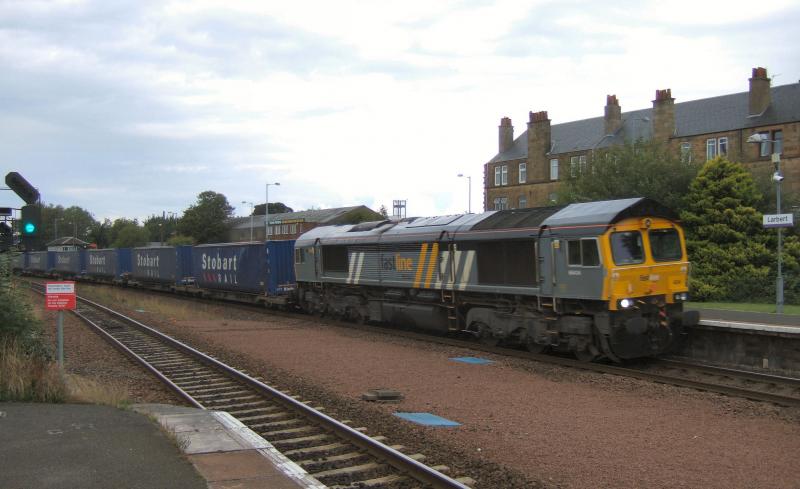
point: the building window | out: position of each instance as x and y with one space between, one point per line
500 203
765 146
523 172
777 136
554 169
711 148
577 165
686 152
299 256
523 202
501 175
722 146
293 228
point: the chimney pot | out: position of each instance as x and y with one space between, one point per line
506 134
760 91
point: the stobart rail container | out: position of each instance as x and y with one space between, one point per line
166 265
39 261
262 269
108 264
69 263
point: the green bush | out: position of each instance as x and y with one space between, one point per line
17 321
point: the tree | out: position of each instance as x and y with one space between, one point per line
724 235
72 221
383 211
129 234
207 220
274 208
160 228
100 234
637 169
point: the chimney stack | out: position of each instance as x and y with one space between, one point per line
539 141
613 116
506 131
760 96
663 116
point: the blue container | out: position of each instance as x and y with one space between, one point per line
157 264
239 267
40 261
252 268
102 263
124 261
280 274
184 265
69 263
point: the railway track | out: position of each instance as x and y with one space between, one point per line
331 451
774 389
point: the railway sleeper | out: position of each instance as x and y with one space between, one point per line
280 435
245 412
199 379
356 473
318 451
303 441
333 461
264 417
220 387
280 424
234 406
222 395
389 480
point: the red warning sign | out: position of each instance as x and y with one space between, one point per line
59 295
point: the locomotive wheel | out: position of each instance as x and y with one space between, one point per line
534 347
588 354
484 334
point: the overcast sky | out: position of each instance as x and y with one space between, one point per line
131 108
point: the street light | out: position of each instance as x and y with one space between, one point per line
252 209
777 177
266 213
469 189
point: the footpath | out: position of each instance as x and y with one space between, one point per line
97 447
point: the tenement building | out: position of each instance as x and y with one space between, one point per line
527 169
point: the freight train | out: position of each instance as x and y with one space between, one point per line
599 279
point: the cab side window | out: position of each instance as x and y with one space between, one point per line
583 253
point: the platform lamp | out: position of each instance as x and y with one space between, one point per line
469 190
266 212
777 177
252 210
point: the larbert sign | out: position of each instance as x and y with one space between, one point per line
778 220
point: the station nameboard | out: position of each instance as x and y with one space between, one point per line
778 220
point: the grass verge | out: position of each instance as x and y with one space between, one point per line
28 377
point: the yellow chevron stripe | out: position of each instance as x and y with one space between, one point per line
432 264
421 265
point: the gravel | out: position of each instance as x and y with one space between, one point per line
523 424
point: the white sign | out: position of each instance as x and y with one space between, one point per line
60 287
778 220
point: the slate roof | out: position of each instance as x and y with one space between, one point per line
321 216
704 116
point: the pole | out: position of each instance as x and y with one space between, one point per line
776 158
251 224
266 216
60 338
55 225
469 197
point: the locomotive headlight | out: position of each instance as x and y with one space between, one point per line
625 303
681 296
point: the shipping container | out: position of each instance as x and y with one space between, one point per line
69 263
159 264
252 268
18 262
103 263
154 264
40 261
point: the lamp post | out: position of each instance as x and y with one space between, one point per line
55 225
266 213
777 177
469 190
252 209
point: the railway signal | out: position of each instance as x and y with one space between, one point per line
30 226
22 187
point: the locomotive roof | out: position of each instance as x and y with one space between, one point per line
514 223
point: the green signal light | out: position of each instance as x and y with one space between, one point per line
30 227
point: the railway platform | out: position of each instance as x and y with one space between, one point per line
758 341
88 446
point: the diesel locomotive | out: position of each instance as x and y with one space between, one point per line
599 279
